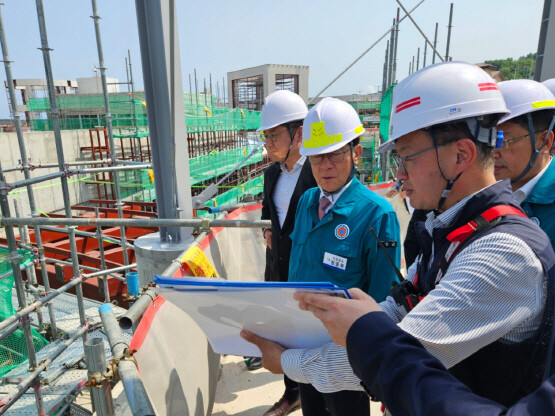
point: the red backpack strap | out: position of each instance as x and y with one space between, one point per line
462 233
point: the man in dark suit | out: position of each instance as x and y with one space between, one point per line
284 182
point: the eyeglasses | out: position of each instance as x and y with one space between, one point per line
505 145
400 161
271 138
334 157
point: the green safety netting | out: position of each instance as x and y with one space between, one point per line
236 195
86 111
12 348
385 113
209 166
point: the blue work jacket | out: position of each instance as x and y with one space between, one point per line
340 248
540 204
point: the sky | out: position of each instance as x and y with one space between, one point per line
219 36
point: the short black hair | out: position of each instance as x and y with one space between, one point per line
356 141
451 132
540 120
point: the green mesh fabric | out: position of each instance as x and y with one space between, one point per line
12 349
385 113
235 195
86 111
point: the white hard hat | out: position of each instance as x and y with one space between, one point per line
282 107
329 126
524 96
550 84
442 93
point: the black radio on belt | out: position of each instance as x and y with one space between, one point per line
404 293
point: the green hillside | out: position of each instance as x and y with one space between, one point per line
522 67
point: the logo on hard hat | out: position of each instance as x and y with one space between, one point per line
342 231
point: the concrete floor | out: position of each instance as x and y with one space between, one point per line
250 393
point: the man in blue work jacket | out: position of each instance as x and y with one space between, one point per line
332 237
525 155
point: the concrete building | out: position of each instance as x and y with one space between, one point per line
248 87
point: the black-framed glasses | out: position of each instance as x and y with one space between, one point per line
400 161
334 157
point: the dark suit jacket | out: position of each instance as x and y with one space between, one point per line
396 369
277 259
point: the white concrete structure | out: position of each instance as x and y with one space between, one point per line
93 85
248 87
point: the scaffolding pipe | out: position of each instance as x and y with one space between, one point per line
14 257
447 58
103 280
101 393
25 311
425 51
108 116
229 208
435 44
418 59
55 117
110 169
33 378
137 222
136 311
85 234
418 27
32 166
127 369
390 61
394 75
365 52
7 332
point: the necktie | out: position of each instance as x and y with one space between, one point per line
324 205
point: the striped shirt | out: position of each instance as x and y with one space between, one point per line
495 288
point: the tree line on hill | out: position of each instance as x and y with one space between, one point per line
521 68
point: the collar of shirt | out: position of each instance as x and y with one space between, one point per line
333 198
522 193
446 218
298 165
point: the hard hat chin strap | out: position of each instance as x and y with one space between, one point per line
450 182
292 137
535 152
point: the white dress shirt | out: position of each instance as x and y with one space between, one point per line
285 186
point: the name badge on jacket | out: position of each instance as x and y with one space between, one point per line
334 261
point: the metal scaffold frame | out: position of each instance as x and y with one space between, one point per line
126 367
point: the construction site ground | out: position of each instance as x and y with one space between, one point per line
250 393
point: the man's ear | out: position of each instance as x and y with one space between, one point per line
466 154
357 150
546 141
299 134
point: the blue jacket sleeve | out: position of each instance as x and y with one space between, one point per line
397 370
380 270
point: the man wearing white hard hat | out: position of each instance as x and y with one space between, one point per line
332 237
525 156
480 295
550 84
284 183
